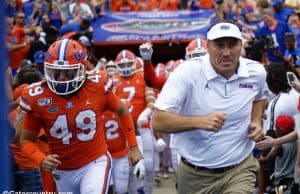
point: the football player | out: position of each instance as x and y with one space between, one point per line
156 78
117 147
132 87
69 105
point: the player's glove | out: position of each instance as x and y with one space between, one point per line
139 169
160 145
146 51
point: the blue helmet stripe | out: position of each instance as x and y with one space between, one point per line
199 45
123 54
63 50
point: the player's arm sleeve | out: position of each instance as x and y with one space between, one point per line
127 124
31 122
29 134
32 151
150 77
29 131
127 127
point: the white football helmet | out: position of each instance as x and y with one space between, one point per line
196 48
126 63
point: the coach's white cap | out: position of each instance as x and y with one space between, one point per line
222 30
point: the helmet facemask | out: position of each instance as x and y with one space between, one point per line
195 54
126 67
64 78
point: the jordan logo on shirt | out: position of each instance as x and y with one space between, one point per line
207 87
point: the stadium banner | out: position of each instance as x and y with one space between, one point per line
154 26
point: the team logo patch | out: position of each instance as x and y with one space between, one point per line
53 109
44 101
155 26
60 62
224 27
69 105
245 85
79 55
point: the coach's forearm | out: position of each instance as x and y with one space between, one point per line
257 111
171 123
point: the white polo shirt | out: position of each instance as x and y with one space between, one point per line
195 89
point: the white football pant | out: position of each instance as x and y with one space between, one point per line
120 174
93 178
148 152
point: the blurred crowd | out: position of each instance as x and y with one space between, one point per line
31 26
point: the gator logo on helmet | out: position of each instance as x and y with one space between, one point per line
79 55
